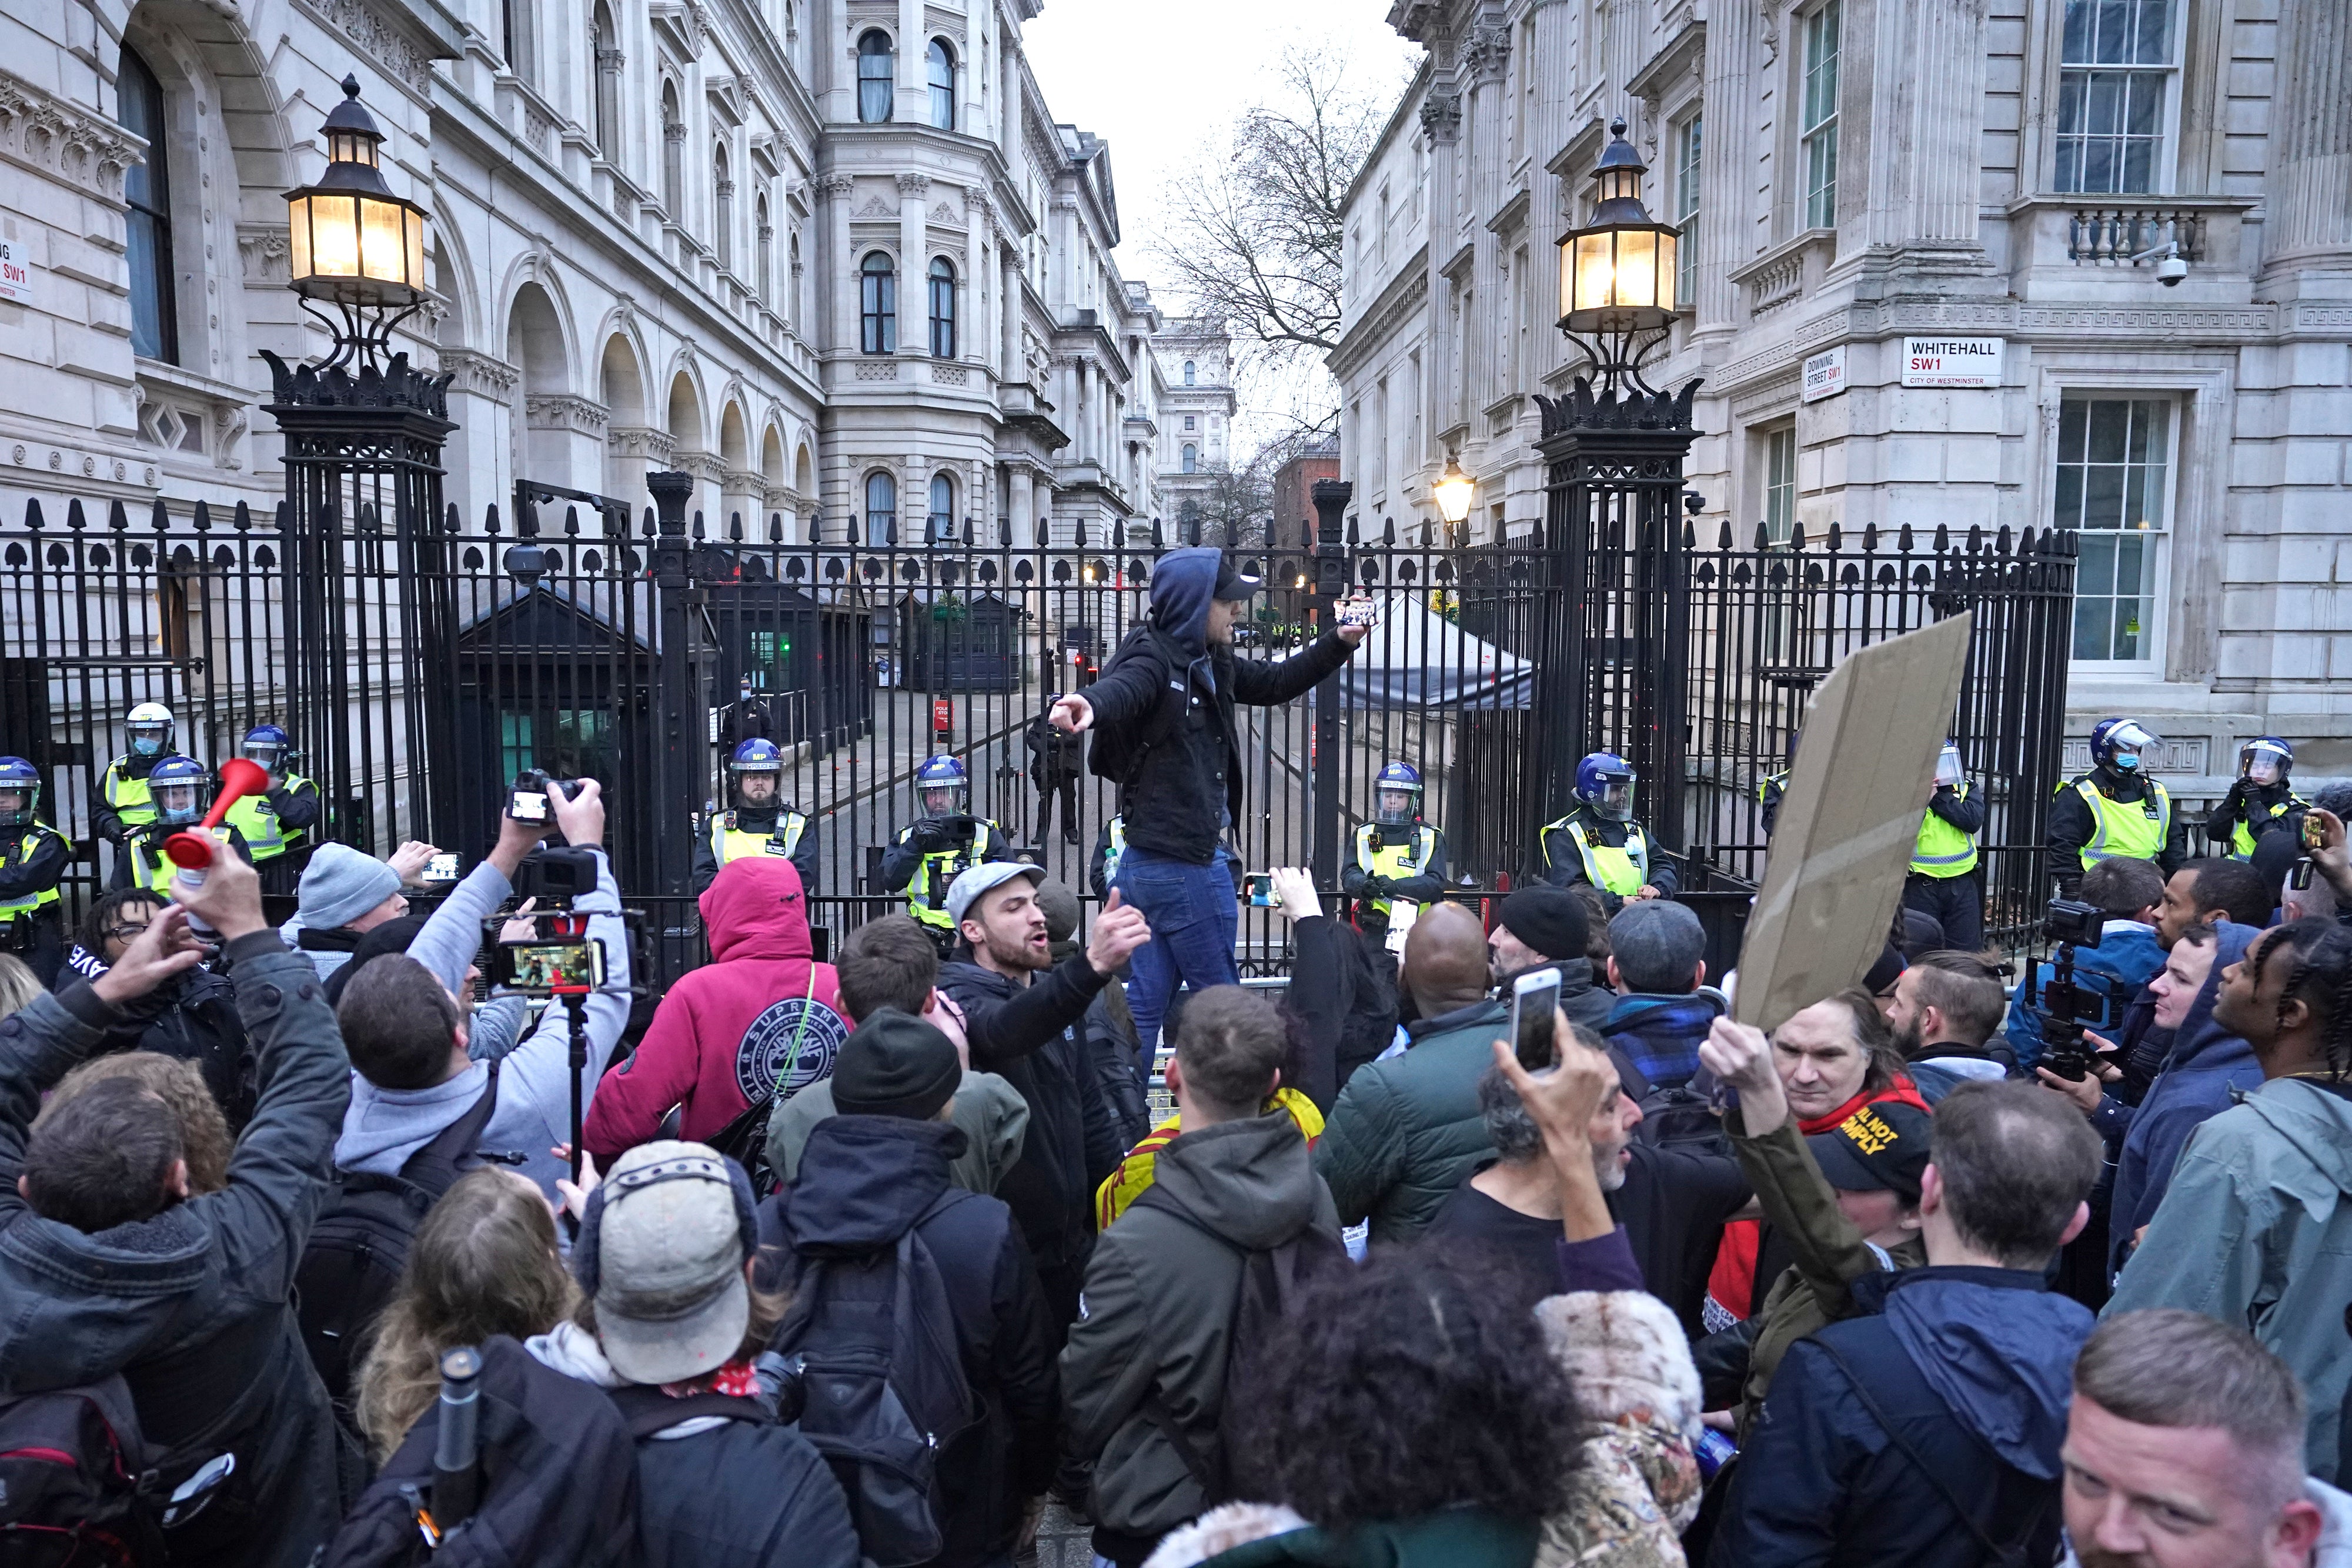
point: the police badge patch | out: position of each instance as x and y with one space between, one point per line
768 1046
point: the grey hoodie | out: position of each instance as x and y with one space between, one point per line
384 1126
1158 1302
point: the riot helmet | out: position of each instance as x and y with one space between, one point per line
150 727
943 788
1604 781
2266 760
181 789
2121 745
270 746
1396 795
20 792
756 773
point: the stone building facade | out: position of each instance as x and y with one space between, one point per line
1195 363
835 257
1880 195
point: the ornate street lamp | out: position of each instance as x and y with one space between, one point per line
1617 273
355 244
1454 492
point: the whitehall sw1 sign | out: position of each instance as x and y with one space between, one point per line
1951 361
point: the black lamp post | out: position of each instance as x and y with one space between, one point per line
365 430
1617 671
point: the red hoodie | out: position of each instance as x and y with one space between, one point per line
724 1033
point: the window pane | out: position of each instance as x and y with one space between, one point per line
2094 623
2155 42
147 188
2114 482
2110 426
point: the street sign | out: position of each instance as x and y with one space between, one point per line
1849 822
1951 361
16 272
1825 374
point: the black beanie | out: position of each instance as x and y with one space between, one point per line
1548 919
392 937
894 1064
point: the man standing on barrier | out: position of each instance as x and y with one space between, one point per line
1599 841
1162 717
33 861
125 803
945 840
1398 855
280 822
757 821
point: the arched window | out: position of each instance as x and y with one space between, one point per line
605 41
879 297
723 210
147 187
943 345
881 509
942 64
673 154
875 70
943 529
764 262
1192 458
1188 373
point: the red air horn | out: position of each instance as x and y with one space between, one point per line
192 849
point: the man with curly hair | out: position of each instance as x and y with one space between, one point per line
2255 1229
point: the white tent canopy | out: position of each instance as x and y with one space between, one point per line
1415 658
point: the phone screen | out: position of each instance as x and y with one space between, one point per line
1534 1000
549 968
2315 832
441 868
1259 886
527 806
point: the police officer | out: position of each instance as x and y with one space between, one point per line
1600 842
123 800
2115 809
1398 855
279 823
33 861
945 840
758 823
1942 881
2259 801
181 789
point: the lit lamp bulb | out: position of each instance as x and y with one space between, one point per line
1454 491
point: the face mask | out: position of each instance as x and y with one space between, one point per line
146 744
2126 761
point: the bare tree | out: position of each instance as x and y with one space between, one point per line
1256 239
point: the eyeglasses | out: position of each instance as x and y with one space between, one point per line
126 932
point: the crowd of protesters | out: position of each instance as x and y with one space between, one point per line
830 1263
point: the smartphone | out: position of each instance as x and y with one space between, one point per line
442 868
1362 610
2315 832
573 966
1535 998
1258 887
2298 876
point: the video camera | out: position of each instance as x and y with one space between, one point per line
2067 1009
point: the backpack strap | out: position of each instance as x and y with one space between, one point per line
436 1166
648 1410
2011 1555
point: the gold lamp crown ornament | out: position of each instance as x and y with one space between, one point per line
354 242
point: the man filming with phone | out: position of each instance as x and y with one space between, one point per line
405 1018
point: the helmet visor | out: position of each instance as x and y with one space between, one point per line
1397 807
2128 743
2262 763
267 753
1948 772
18 803
945 800
1616 802
179 802
147 740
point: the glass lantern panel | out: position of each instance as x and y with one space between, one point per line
298 215
382 253
415 230
1637 267
334 237
1595 271
1669 249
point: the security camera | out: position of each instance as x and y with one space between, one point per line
2172 270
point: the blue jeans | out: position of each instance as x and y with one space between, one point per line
1193 923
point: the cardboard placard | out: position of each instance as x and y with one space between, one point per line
1849 820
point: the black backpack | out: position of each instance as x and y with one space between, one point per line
1680 1118
873 1343
357 1248
1272 1280
559 1479
75 1488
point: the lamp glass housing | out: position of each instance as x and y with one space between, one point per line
1454 492
352 241
1617 273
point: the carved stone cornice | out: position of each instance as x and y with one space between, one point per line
480 373
914 184
836 187
640 441
43 132
1441 116
265 252
562 411
394 49
1487 51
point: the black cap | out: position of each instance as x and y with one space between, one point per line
894 1064
1548 919
1233 583
1883 1148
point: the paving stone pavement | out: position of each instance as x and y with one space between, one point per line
1063 1542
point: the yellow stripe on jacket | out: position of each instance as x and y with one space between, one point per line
1125 1185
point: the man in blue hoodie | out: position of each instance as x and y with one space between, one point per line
1663 1009
2208 1068
1162 717
1926 1432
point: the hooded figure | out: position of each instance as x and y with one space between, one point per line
2208 1070
728 1032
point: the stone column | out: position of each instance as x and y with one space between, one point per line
1726 161
1023 507
1008 318
837 270
2310 204
974 335
1916 157
914 103
838 52
914 265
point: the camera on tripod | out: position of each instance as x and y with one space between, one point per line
2068 1009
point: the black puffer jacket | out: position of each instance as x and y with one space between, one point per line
1163 711
1034 1036
865 1181
191 1306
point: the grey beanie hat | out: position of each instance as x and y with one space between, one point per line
341 884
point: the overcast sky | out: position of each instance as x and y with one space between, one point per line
1158 81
